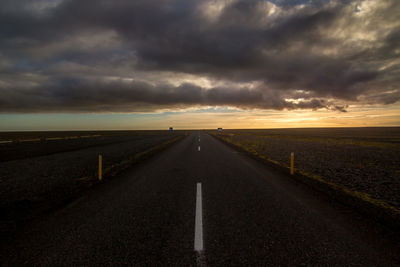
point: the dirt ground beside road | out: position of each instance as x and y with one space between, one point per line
362 159
47 173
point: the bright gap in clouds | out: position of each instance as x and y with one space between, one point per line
210 118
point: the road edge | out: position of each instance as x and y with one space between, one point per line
376 209
8 227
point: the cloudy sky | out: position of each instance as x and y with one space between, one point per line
146 64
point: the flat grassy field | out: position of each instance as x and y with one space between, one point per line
40 170
20 145
363 159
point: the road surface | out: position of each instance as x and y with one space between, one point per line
202 203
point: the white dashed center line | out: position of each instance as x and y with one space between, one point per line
199 148
198 228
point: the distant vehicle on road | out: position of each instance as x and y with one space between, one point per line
171 129
219 129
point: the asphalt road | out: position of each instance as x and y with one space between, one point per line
249 215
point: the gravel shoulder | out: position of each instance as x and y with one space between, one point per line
363 160
35 184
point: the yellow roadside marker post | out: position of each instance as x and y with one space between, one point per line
292 163
100 167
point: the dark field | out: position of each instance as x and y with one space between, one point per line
40 170
363 159
19 145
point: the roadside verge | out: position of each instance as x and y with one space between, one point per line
16 213
364 203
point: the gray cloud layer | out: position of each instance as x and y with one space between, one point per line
128 55
71 94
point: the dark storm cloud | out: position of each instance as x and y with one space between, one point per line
322 53
83 95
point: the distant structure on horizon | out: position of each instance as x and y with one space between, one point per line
171 129
219 129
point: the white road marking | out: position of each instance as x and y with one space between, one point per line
199 148
198 228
